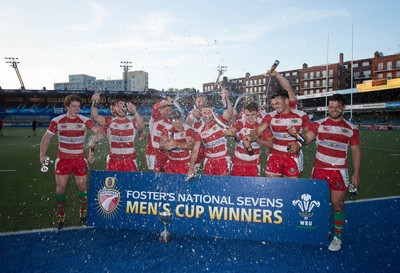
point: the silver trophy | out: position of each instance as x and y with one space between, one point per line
353 190
46 163
165 218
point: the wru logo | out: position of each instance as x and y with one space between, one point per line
306 205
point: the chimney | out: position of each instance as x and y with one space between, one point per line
305 65
341 58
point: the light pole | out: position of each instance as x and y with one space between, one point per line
126 66
14 64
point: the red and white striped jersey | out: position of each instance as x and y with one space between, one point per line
156 125
213 138
197 123
333 140
121 137
240 155
179 155
71 135
278 124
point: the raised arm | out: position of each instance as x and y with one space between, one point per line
284 83
228 113
94 112
139 119
193 116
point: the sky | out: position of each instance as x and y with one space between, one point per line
181 43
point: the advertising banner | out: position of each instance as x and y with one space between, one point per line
254 208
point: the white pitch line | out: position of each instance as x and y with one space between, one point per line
381 149
4 171
42 230
372 199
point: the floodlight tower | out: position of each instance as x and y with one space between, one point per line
14 64
126 66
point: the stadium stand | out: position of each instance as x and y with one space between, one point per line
19 107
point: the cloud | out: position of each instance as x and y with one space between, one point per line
278 21
11 17
156 23
99 13
155 32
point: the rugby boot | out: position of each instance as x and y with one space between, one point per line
60 222
335 245
82 217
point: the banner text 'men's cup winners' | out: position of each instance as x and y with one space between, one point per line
215 207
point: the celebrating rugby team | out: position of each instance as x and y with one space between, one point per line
179 145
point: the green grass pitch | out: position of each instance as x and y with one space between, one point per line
27 194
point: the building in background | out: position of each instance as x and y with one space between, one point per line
321 79
135 81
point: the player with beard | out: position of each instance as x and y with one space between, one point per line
156 158
177 141
212 135
121 131
281 162
195 120
333 136
71 130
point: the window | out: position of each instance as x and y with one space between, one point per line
380 66
295 73
305 84
367 73
380 76
356 75
305 76
389 76
311 75
398 64
305 92
365 64
330 72
330 82
311 84
389 65
317 74
398 74
355 65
